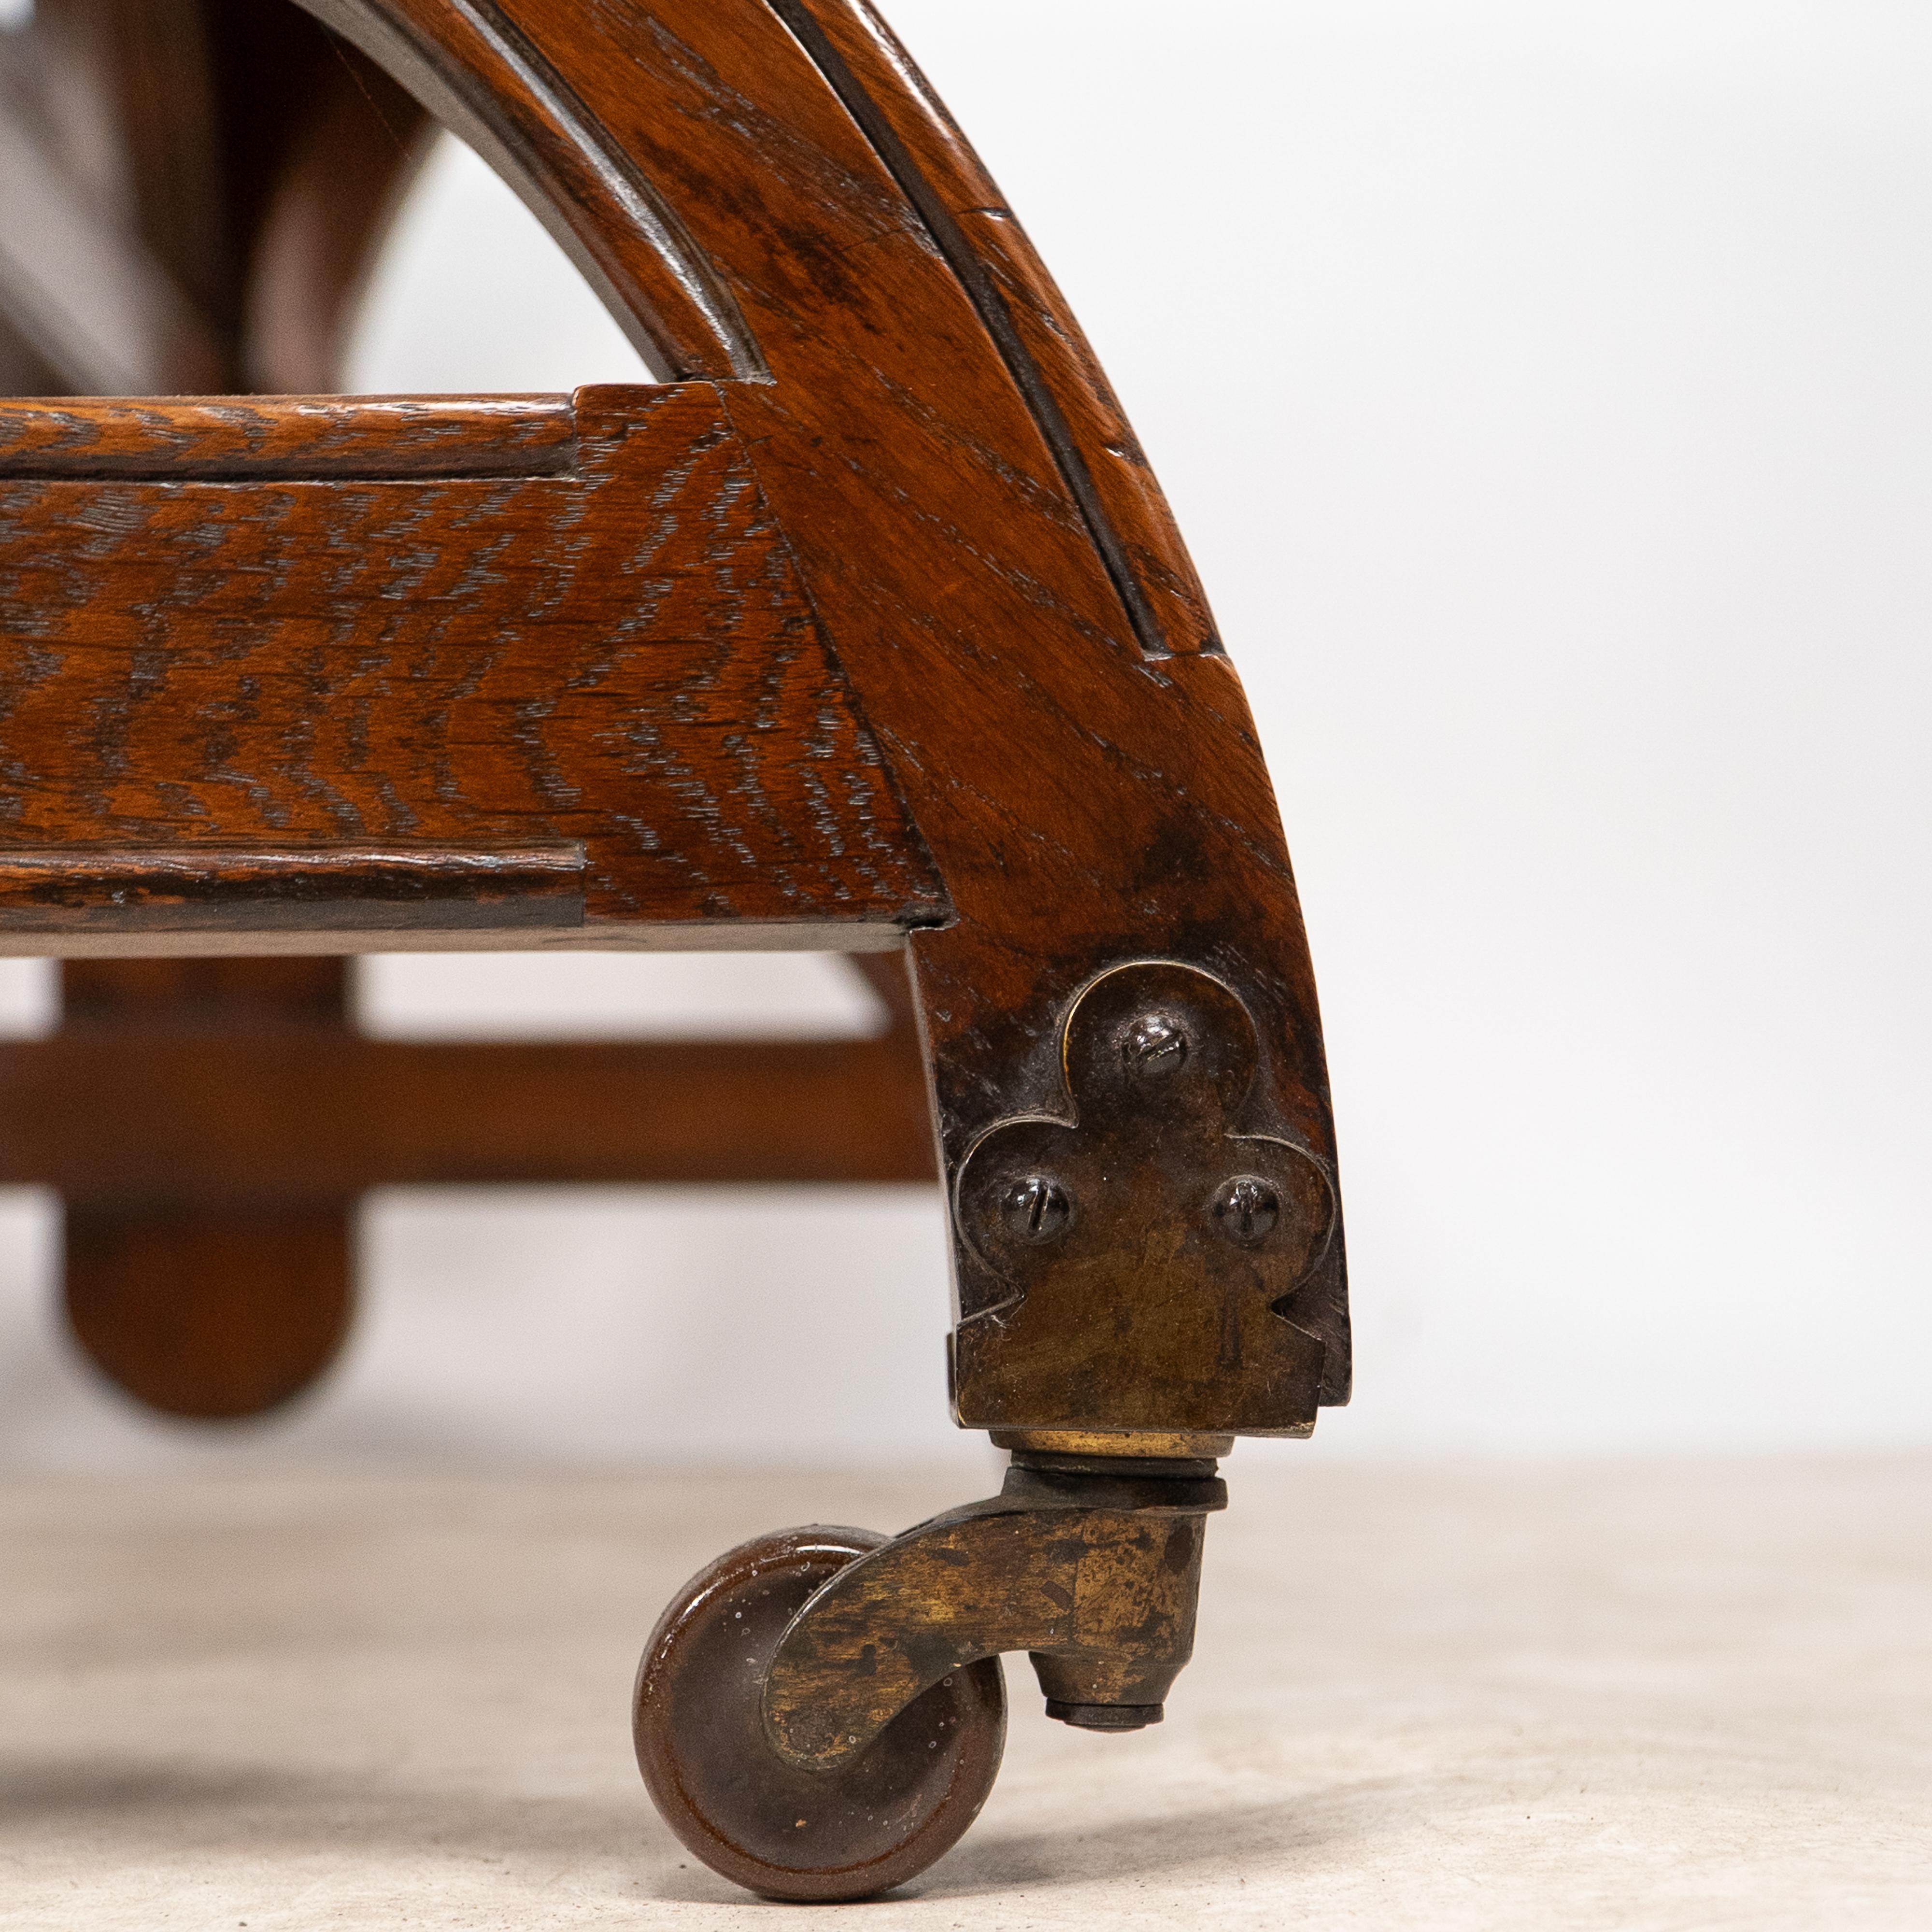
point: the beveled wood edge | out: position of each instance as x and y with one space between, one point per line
130 892
875 120
1129 498
602 936
219 439
81 874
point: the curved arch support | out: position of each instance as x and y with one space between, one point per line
1042 767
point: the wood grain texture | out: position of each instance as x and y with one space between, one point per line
1046 353
621 657
1086 805
288 439
922 517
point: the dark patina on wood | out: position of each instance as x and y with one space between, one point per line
187 889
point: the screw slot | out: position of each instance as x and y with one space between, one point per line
1035 1209
1246 1210
1154 1045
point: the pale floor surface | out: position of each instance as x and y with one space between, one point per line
1678 1696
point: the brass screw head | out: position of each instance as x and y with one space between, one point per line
1036 1209
1246 1210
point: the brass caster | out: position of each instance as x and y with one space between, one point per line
876 1819
819 1714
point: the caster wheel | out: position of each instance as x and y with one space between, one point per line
780 1831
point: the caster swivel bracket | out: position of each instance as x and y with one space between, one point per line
1093 1564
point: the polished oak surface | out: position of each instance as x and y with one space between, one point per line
869 627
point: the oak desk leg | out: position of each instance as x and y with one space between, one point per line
215 1312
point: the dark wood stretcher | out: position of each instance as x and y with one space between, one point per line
866 629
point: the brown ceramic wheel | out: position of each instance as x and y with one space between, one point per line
782 1832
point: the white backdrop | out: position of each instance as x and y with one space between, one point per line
1545 393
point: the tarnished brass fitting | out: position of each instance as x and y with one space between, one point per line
1091 1564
